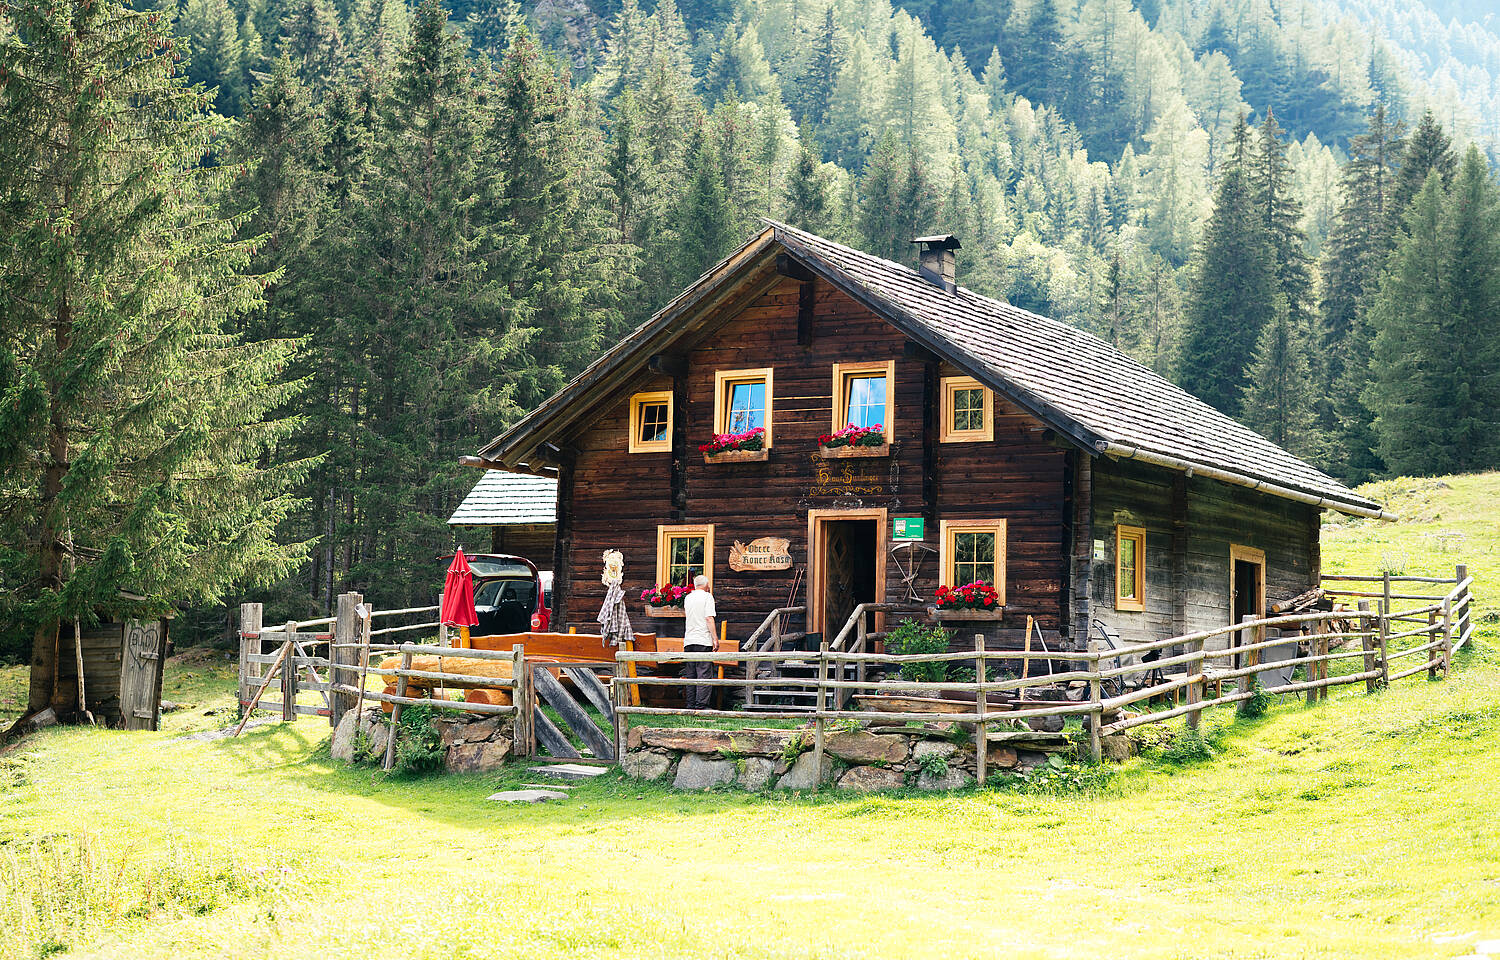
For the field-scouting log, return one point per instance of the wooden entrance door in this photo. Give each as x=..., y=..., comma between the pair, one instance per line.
x=846, y=565
x=1247, y=587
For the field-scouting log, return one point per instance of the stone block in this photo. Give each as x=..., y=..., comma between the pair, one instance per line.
x=952, y=779
x=934, y=748
x=871, y=779
x=755, y=773
x=737, y=742
x=1001, y=757
x=343, y=737
x=633, y=738
x=1117, y=747
x=482, y=757
x=646, y=764
x=863, y=747
x=804, y=776
x=696, y=773
x=528, y=796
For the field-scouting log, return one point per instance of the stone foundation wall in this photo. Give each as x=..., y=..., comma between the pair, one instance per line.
x=865, y=760
x=469, y=745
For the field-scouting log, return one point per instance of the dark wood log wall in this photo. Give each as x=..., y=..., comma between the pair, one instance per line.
x=618, y=498
x=1190, y=525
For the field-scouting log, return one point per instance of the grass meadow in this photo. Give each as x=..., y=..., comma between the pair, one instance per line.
x=1364, y=826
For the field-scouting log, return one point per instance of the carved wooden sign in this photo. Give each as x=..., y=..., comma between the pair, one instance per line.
x=765, y=553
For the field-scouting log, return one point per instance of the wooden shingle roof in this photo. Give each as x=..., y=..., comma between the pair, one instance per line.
x=1076, y=383
x=504, y=499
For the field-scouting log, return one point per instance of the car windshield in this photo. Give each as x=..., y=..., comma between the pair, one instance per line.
x=494, y=593
x=494, y=567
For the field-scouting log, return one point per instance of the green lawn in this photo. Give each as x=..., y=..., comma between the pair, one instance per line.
x=1368, y=826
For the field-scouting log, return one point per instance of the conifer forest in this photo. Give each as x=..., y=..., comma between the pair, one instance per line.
x=269, y=267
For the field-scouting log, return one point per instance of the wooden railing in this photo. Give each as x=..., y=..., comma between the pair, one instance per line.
x=1389, y=650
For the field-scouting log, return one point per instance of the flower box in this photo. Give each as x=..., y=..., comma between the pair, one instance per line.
x=737, y=456
x=942, y=613
x=839, y=453
x=663, y=611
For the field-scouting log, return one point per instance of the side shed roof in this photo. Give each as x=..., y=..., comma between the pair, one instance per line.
x=503, y=499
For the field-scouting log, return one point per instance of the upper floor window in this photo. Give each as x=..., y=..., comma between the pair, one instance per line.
x=864, y=395
x=968, y=411
x=743, y=401
x=651, y=422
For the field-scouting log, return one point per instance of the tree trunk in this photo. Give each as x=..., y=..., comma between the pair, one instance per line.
x=44, y=690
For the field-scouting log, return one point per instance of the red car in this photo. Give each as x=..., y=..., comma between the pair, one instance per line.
x=510, y=595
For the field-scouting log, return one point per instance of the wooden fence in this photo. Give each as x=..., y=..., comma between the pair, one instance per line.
x=1114, y=690
x=337, y=664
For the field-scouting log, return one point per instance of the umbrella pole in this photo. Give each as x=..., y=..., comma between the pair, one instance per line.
x=463, y=636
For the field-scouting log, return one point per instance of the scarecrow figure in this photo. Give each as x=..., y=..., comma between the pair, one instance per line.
x=614, y=620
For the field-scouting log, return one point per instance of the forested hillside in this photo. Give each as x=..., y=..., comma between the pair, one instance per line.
x=453, y=210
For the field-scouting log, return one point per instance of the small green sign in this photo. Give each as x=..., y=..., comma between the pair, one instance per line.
x=907, y=528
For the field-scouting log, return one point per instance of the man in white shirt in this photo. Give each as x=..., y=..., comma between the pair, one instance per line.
x=698, y=637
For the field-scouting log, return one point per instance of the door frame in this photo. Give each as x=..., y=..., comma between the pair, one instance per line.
x=816, y=573
x=1241, y=554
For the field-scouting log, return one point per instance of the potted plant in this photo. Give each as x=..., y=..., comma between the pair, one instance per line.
x=972, y=601
x=855, y=441
x=664, y=600
x=724, y=447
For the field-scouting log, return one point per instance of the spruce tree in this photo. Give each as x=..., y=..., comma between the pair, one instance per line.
x=1234, y=296
x=1434, y=386
x=808, y=204
x=704, y=214
x=816, y=85
x=134, y=430
x=1280, y=400
x=311, y=38
x=1281, y=215
x=1363, y=234
x=1428, y=148
x=880, y=219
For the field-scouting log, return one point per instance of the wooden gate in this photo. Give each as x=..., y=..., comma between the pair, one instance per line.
x=580, y=701
x=273, y=681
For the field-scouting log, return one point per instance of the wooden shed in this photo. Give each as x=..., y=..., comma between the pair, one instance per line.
x=122, y=670
x=517, y=510
x=1091, y=493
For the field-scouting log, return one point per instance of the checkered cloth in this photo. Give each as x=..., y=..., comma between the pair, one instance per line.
x=614, y=621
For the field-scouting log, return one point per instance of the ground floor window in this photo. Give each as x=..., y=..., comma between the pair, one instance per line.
x=1130, y=568
x=684, y=552
x=973, y=551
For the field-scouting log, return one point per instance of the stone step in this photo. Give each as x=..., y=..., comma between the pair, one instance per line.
x=568, y=771
x=528, y=796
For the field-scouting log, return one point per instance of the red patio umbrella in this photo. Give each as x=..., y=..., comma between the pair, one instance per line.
x=458, y=597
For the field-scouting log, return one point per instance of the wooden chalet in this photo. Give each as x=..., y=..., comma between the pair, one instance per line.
x=1021, y=451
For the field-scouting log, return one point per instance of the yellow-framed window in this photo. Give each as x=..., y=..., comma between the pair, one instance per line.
x=973, y=551
x=744, y=400
x=683, y=552
x=1130, y=568
x=968, y=411
x=651, y=422
x=864, y=395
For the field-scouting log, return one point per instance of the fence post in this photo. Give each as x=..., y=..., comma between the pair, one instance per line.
x=861, y=641
x=1252, y=658
x=343, y=652
x=1367, y=644
x=1195, y=689
x=1432, y=635
x=981, y=707
x=821, y=706
x=250, y=614
x=520, y=733
x=390, y=741
x=1385, y=632
x=1460, y=626
x=1096, y=697
x=1447, y=647
x=620, y=697
x=289, y=675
